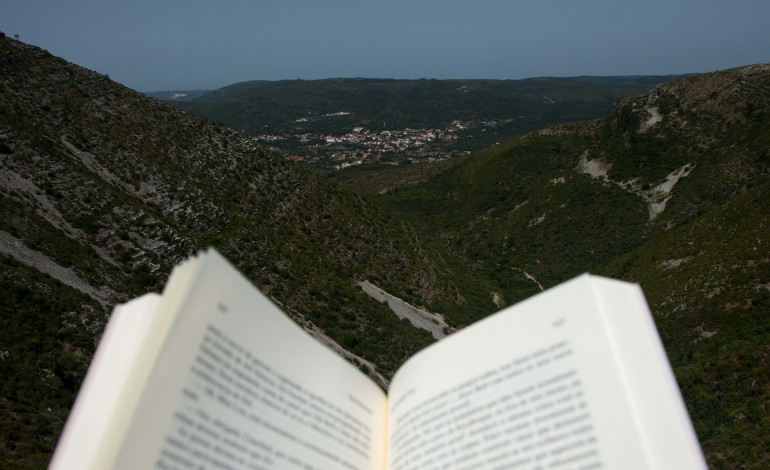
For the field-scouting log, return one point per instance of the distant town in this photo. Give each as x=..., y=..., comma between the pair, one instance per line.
x=362, y=145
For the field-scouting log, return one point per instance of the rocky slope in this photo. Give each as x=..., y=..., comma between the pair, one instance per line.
x=103, y=190
x=671, y=191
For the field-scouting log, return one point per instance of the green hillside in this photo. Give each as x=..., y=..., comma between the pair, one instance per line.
x=103, y=190
x=515, y=106
x=671, y=191
x=707, y=282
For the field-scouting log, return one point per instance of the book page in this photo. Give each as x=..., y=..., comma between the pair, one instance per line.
x=118, y=374
x=539, y=385
x=102, y=393
x=240, y=385
x=669, y=437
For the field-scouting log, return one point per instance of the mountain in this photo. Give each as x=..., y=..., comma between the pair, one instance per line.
x=103, y=190
x=671, y=190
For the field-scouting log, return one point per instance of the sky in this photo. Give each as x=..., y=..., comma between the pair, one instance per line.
x=154, y=45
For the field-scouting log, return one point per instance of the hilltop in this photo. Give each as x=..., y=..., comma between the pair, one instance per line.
x=356, y=120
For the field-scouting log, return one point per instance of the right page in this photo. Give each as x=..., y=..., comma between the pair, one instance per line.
x=575, y=377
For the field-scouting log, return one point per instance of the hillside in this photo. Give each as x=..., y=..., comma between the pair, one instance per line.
x=672, y=191
x=489, y=110
x=103, y=190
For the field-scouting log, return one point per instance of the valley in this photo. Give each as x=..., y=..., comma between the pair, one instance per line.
x=663, y=182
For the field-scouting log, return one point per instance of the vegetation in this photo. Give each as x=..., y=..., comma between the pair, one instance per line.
x=45, y=347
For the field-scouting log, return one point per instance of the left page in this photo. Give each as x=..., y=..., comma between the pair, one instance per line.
x=237, y=384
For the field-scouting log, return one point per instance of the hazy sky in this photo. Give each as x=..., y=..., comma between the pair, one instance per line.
x=204, y=44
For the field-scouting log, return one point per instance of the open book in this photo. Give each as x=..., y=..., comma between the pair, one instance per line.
x=213, y=375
